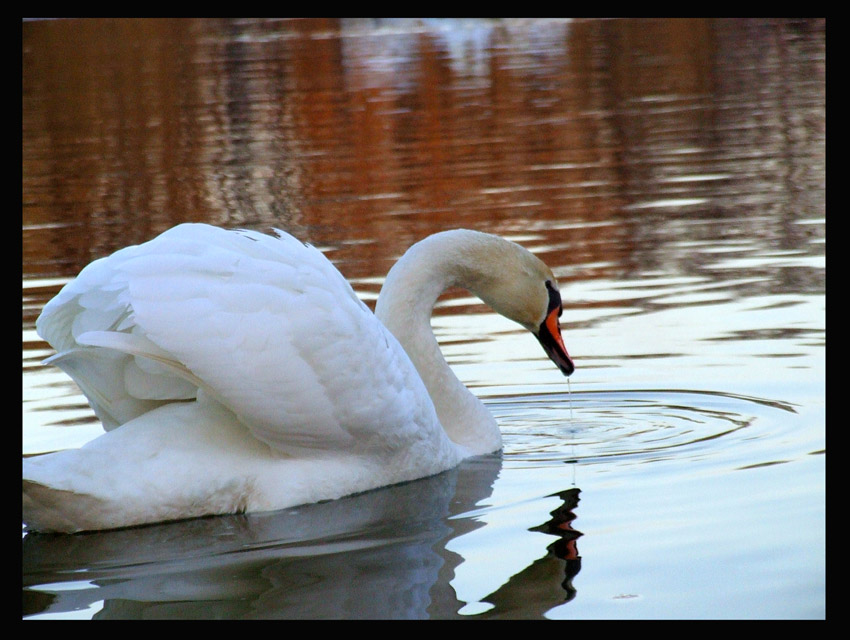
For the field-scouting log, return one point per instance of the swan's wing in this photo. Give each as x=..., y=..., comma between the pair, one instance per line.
x=90, y=323
x=265, y=325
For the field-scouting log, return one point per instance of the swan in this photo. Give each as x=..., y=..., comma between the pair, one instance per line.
x=235, y=371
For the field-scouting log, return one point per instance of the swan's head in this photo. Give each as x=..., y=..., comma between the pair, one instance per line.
x=506, y=276
x=517, y=284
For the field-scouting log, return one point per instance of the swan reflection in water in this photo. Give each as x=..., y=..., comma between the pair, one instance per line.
x=377, y=555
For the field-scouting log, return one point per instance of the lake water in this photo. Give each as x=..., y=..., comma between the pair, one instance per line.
x=672, y=174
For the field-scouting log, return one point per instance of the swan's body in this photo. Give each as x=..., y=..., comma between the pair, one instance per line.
x=235, y=371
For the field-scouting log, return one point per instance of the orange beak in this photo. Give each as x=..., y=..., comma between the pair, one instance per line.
x=553, y=344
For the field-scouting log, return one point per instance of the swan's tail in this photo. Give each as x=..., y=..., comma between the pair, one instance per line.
x=50, y=510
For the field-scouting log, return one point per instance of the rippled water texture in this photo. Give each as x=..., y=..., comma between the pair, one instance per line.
x=672, y=174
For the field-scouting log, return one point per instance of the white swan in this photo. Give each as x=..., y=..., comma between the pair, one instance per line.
x=235, y=371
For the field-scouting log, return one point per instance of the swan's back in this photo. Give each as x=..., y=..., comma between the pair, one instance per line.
x=265, y=325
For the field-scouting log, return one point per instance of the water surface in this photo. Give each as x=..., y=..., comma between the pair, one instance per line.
x=671, y=172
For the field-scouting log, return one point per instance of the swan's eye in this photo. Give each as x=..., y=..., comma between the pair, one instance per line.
x=554, y=299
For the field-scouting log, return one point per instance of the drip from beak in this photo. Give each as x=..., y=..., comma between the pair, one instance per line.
x=550, y=339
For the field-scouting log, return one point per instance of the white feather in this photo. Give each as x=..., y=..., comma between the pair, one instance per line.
x=239, y=371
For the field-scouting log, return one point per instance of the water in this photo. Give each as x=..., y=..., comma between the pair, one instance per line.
x=672, y=173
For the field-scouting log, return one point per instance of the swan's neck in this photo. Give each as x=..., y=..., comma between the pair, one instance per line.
x=405, y=305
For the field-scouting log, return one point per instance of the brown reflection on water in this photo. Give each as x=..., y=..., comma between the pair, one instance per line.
x=595, y=142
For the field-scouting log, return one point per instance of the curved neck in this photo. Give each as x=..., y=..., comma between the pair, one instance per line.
x=405, y=305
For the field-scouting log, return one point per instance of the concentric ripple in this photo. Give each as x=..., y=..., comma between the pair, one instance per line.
x=641, y=425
